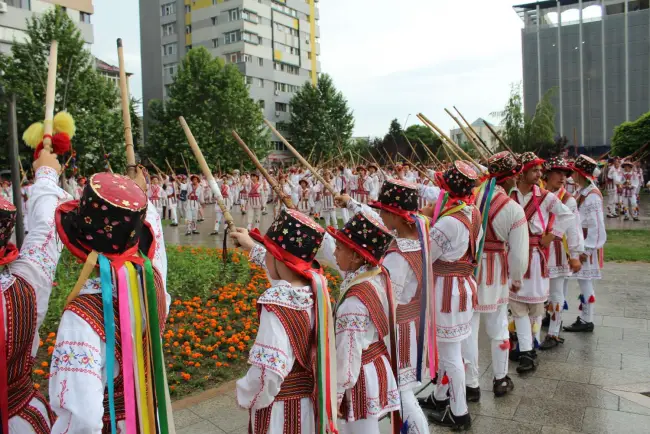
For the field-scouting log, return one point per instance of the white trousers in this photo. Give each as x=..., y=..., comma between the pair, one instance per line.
x=330, y=218
x=497, y=329
x=254, y=217
x=345, y=215
x=413, y=414
x=629, y=206
x=174, y=217
x=451, y=364
x=556, y=300
x=612, y=201
x=587, y=290
x=363, y=426
x=527, y=329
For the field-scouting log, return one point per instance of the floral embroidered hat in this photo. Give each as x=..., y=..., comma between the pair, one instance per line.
x=558, y=163
x=459, y=180
x=109, y=218
x=503, y=166
x=294, y=239
x=8, y=252
x=529, y=160
x=366, y=236
x=586, y=166
x=398, y=197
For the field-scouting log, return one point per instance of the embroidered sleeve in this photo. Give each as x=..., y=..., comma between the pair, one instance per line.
x=271, y=360
x=440, y=240
x=257, y=255
x=521, y=222
x=593, y=220
x=354, y=332
x=77, y=365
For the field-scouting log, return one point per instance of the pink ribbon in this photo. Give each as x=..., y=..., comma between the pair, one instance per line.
x=127, y=350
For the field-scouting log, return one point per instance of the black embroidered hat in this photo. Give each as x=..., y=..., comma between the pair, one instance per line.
x=586, y=166
x=459, y=180
x=503, y=166
x=529, y=160
x=398, y=197
x=8, y=252
x=109, y=218
x=627, y=163
x=557, y=163
x=366, y=236
x=294, y=239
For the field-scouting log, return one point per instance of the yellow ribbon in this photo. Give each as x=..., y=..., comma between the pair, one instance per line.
x=363, y=276
x=87, y=269
x=454, y=209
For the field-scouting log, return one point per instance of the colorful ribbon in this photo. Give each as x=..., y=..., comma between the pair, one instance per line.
x=485, y=212
x=4, y=387
x=127, y=349
x=106, y=280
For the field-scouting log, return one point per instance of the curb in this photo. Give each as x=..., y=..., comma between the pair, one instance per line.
x=225, y=389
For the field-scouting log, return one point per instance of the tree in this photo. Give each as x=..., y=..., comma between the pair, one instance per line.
x=524, y=133
x=91, y=99
x=320, y=120
x=214, y=100
x=630, y=136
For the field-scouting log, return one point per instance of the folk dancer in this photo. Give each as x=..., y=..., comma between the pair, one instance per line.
x=225, y=194
x=286, y=190
x=590, y=206
x=155, y=194
x=303, y=196
x=194, y=203
x=183, y=187
x=342, y=188
x=375, y=186
x=639, y=176
x=328, y=206
x=503, y=264
x=172, y=201
x=87, y=368
x=243, y=194
x=630, y=185
x=362, y=185
x=527, y=302
x=26, y=284
x=7, y=191
x=364, y=316
x=562, y=263
x=612, y=181
x=254, y=194
x=278, y=389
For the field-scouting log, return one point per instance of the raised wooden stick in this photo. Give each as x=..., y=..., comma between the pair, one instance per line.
x=108, y=163
x=301, y=159
x=126, y=115
x=443, y=138
x=389, y=159
x=185, y=164
x=271, y=180
x=480, y=140
x=498, y=137
x=470, y=138
x=430, y=152
x=157, y=169
x=422, y=172
x=170, y=167
x=208, y=174
x=50, y=93
x=412, y=147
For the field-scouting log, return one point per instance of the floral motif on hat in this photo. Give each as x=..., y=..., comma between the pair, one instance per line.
x=529, y=160
x=397, y=196
x=585, y=166
x=297, y=234
x=365, y=235
x=460, y=179
x=557, y=163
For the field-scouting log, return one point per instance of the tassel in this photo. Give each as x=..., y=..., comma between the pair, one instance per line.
x=535, y=327
x=511, y=327
x=566, y=306
x=553, y=316
x=445, y=380
x=592, y=299
x=505, y=345
x=580, y=307
x=536, y=342
x=405, y=427
x=557, y=307
x=581, y=298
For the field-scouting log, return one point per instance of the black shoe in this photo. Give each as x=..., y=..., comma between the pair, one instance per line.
x=195, y=232
x=447, y=419
x=214, y=233
x=502, y=387
x=547, y=320
x=550, y=342
x=188, y=234
x=626, y=219
x=200, y=220
x=430, y=403
x=174, y=224
x=636, y=219
x=526, y=362
x=580, y=326
x=473, y=394
x=514, y=354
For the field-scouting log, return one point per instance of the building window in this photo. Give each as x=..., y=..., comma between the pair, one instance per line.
x=281, y=107
x=235, y=57
x=188, y=30
x=166, y=92
x=215, y=42
x=309, y=55
x=171, y=69
x=188, y=48
x=284, y=9
x=232, y=37
x=170, y=49
x=250, y=37
x=84, y=17
x=188, y=9
x=286, y=68
x=168, y=9
x=169, y=29
x=248, y=80
x=260, y=61
x=279, y=146
x=262, y=104
x=259, y=82
x=250, y=16
x=233, y=15
x=214, y=21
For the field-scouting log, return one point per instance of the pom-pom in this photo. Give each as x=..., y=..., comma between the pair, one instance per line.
x=505, y=345
x=60, y=143
x=592, y=299
x=511, y=327
x=566, y=306
x=405, y=427
x=445, y=380
x=557, y=307
x=580, y=307
x=553, y=316
x=535, y=327
x=34, y=135
x=63, y=123
x=581, y=298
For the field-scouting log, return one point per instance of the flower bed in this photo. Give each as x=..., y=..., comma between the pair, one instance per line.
x=212, y=320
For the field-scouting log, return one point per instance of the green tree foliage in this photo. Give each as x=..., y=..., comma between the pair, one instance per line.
x=321, y=122
x=524, y=133
x=630, y=136
x=91, y=99
x=214, y=100
x=396, y=143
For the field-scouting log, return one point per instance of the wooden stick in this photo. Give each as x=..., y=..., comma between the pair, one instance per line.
x=422, y=172
x=108, y=163
x=170, y=167
x=412, y=148
x=389, y=159
x=302, y=160
x=604, y=155
x=126, y=115
x=157, y=169
x=208, y=174
x=485, y=146
x=185, y=164
x=498, y=137
x=430, y=152
x=470, y=138
x=50, y=93
x=271, y=180
x=444, y=141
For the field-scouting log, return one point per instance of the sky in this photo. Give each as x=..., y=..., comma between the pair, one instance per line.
x=391, y=59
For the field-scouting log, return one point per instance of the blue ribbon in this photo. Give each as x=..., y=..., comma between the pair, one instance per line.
x=106, y=279
x=421, y=227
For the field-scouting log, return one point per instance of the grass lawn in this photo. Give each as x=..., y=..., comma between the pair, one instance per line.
x=632, y=246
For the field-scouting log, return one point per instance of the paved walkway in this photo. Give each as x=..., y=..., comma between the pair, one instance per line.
x=591, y=384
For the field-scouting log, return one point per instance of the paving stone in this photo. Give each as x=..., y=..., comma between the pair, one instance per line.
x=550, y=413
x=203, y=427
x=632, y=407
x=563, y=371
x=585, y=394
x=503, y=407
x=597, y=421
x=555, y=430
x=639, y=348
x=635, y=312
x=625, y=323
x=490, y=425
x=615, y=377
x=186, y=417
x=636, y=335
x=223, y=411
x=525, y=386
x=636, y=363
x=608, y=333
x=593, y=358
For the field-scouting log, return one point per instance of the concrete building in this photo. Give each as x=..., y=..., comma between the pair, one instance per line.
x=274, y=43
x=597, y=55
x=484, y=133
x=14, y=15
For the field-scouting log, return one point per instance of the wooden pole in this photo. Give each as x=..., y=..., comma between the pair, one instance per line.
x=126, y=115
x=443, y=137
x=301, y=159
x=50, y=94
x=422, y=172
x=503, y=143
x=108, y=163
x=170, y=167
x=470, y=138
x=412, y=148
x=156, y=167
x=272, y=181
x=485, y=146
x=185, y=164
x=430, y=152
x=208, y=174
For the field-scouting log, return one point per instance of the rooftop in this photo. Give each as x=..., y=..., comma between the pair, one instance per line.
x=107, y=68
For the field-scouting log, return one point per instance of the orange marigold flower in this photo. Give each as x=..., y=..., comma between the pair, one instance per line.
x=231, y=349
x=37, y=386
x=44, y=364
x=50, y=350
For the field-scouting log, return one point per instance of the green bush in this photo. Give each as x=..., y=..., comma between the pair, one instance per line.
x=630, y=136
